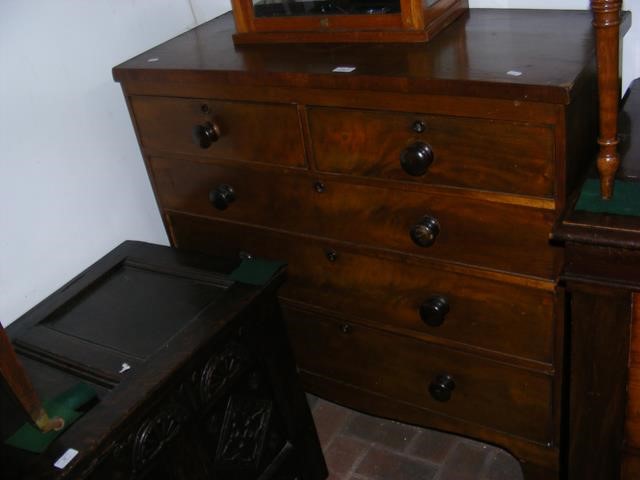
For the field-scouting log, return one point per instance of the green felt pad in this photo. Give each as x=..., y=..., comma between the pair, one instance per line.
x=625, y=200
x=76, y=397
x=256, y=271
x=33, y=440
x=64, y=405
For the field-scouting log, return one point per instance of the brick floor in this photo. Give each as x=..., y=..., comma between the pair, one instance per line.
x=362, y=447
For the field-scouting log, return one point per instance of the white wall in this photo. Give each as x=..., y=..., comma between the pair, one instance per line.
x=72, y=182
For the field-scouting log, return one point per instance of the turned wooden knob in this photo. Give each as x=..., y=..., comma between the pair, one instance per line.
x=222, y=196
x=331, y=254
x=205, y=134
x=416, y=158
x=441, y=387
x=425, y=232
x=434, y=310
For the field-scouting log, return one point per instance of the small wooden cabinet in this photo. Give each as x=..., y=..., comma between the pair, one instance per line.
x=192, y=369
x=602, y=278
x=411, y=188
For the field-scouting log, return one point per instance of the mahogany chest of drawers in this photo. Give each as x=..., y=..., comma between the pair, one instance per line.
x=192, y=370
x=411, y=189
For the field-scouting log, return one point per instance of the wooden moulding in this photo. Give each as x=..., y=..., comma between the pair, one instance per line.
x=416, y=22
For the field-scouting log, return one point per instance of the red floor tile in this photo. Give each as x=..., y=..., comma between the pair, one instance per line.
x=466, y=462
x=381, y=464
x=432, y=445
x=393, y=435
x=344, y=454
x=330, y=419
x=362, y=447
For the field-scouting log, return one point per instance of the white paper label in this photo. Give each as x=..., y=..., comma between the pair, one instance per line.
x=124, y=368
x=64, y=460
x=344, y=69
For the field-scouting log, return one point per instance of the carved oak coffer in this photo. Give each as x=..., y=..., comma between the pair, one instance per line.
x=193, y=373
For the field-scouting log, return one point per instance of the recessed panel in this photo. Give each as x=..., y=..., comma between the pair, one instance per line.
x=134, y=310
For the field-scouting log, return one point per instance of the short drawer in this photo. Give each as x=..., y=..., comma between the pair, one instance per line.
x=244, y=130
x=427, y=300
x=506, y=237
x=464, y=152
x=446, y=382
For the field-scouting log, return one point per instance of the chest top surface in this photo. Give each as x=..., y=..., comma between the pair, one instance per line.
x=537, y=55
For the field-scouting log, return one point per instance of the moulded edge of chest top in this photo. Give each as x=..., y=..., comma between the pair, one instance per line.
x=522, y=110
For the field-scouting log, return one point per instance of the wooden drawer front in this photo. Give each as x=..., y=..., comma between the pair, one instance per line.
x=505, y=237
x=486, y=393
x=484, y=313
x=247, y=130
x=476, y=153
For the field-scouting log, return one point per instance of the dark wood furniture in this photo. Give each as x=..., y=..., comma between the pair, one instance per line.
x=607, y=20
x=211, y=389
x=413, y=198
x=602, y=277
x=343, y=20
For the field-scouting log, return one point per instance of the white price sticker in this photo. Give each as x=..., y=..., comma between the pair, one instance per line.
x=344, y=69
x=64, y=460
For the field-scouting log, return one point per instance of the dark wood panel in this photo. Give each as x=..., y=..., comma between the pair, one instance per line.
x=603, y=264
x=486, y=393
x=600, y=321
x=498, y=236
x=245, y=129
x=632, y=419
x=518, y=159
x=630, y=467
x=483, y=312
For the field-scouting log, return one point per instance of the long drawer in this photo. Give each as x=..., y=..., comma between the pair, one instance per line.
x=504, y=237
x=479, y=312
x=221, y=129
x=444, y=381
x=464, y=152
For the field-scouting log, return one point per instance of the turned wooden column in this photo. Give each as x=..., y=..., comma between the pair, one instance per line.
x=606, y=20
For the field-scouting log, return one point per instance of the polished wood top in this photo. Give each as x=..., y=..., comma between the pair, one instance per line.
x=535, y=55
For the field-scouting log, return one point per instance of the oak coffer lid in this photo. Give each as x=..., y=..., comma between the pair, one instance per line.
x=133, y=309
x=536, y=55
x=122, y=311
